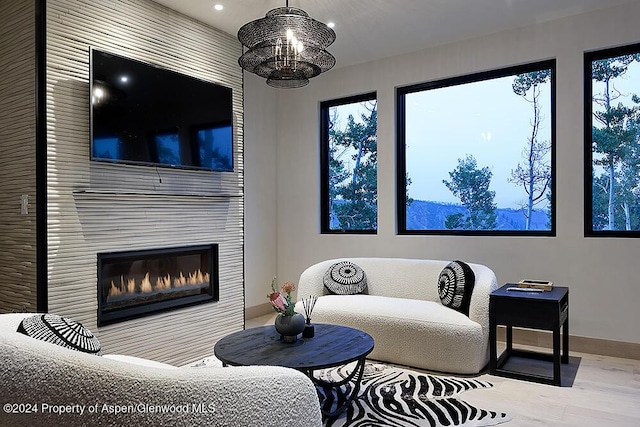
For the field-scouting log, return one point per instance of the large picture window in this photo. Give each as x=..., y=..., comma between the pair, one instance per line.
x=476, y=153
x=612, y=142
x=349, y=187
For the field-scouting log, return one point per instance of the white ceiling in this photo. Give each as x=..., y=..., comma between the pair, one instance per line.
x=373, y=29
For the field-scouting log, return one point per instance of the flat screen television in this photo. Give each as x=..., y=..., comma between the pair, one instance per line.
x=146, y=115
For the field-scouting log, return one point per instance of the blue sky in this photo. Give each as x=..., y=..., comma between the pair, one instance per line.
x=485, y=119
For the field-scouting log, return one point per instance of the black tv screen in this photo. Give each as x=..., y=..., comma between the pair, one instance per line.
x=142, y=114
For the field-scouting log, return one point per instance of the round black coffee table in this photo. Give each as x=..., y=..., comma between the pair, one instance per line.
x=332, y=346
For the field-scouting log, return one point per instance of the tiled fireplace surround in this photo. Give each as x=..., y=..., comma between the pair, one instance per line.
x=106, y=208
x=176, y=336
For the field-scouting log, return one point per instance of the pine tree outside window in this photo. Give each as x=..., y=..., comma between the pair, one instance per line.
x=476, y=153
x=349, y=168
x=612, y=142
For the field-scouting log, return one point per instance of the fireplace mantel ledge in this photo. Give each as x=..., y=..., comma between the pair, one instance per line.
x=155, y=194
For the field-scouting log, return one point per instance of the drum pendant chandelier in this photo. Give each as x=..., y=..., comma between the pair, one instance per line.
x=287, y=47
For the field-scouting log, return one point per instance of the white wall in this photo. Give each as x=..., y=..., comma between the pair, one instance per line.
x=260, y=189
x=601, y=273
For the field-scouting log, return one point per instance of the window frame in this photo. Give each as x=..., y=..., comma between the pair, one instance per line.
x=589, y=58
x=325, y=217
x=401, y=194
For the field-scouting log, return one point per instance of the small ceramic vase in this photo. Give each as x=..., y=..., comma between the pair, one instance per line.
x=290, y=326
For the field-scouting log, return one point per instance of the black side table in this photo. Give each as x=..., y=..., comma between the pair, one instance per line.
x=547, y=310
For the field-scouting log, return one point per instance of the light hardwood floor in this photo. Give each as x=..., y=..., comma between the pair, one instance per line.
x=597, y=391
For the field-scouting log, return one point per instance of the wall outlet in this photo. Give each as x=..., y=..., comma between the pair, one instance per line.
x=24, y=204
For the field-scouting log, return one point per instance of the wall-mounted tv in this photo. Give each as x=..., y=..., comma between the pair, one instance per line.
x=146, y=115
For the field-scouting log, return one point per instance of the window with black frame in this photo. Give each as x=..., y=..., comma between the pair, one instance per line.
x=349, y=165
x=612, y=142
x=476, y=153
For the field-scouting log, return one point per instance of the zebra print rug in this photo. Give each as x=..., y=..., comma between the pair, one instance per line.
x=394, y=397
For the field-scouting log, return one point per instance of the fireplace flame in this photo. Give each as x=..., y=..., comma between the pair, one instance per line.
x=198, y=277
x=115, y=291
x=131, y=285
x=164, y=282
x=180, y=280
x=145, y=286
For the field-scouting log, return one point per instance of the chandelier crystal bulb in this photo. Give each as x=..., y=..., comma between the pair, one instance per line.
x=287, y=47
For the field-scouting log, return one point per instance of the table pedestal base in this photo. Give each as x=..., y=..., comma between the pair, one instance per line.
x=344, y=398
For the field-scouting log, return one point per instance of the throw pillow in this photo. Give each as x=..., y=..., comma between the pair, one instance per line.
x=455, y=286
x=345, y=278
x=60, y=331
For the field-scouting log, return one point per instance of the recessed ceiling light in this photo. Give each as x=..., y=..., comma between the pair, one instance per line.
x=331, y=24
x=218, y=7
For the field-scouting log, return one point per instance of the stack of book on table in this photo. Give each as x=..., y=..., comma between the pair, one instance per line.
x=543, y=285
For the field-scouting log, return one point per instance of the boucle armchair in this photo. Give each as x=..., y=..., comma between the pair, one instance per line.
x=402, y=310
x=112, y=392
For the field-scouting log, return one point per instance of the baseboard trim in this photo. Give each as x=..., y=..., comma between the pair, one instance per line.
x=544, y=339
x=258, y=310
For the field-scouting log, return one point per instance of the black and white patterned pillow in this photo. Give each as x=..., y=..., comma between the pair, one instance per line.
x=455, y=286
x=345, y=278
x=60, y=331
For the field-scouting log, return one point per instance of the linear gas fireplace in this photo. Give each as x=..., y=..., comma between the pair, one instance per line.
x=138, y=283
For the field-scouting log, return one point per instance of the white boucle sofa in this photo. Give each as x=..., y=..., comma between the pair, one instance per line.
x=402, y=311
x=34, y=372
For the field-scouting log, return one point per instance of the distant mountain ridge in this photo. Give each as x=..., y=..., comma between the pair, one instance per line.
x=425, y=215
